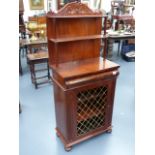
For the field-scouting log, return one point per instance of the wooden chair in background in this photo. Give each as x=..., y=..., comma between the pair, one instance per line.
x=36, y=57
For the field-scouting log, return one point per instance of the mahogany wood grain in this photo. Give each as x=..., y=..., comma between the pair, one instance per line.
x=74, y=38
x=66, y=28
x=84, y=67
x=73, y=50
x=68, y=116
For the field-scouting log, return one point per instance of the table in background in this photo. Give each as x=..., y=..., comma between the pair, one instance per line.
x=26, y=43
x=28, y=46
x=121, y=37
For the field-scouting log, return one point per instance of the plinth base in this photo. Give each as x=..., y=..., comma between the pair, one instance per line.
x=68, y=145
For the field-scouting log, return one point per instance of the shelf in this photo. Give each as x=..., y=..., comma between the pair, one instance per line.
x=90, y=124
x=90, y=114
x=59, y=40
x=90, y=97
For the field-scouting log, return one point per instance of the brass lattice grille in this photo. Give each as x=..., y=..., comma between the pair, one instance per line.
x=91, y=109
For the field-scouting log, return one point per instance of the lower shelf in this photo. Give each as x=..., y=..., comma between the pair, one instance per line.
x=92, y=123
x=94, y=112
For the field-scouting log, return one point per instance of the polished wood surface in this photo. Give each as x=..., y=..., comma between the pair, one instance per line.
x=78, y=27
x=74, y=50
x=84, y=67
x=74, y=40
x=66, y=107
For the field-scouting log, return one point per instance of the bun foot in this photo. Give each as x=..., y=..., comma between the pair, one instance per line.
x=109, y=131
x=68, y=148
x=57, y=134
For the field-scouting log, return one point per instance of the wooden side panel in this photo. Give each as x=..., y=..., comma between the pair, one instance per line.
x=64, y=105
x=60, y=110
x=52, y=52
x=111, y=101
x=51, y=30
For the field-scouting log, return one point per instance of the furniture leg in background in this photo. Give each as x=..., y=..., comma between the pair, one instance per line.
x=20, y=66
x=110, y=48
x=20, y=109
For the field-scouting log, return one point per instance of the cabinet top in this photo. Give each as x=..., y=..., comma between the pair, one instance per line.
x=75, y=10
x=84, y=67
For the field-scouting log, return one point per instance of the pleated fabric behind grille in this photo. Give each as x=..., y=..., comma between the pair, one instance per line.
x=91, y=109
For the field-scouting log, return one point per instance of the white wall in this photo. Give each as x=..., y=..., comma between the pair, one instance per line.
x=29, y=12
x=105, y=4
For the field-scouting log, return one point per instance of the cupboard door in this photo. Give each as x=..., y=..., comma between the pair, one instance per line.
x=91, y=108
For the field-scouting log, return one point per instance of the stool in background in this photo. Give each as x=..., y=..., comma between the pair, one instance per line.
x=38, y=58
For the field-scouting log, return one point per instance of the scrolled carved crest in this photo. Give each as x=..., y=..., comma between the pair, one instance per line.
x=76, y=8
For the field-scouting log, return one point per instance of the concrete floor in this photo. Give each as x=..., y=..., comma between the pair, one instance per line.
x=37, y=120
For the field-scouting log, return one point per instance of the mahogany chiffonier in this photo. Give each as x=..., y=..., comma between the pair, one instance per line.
x=84, y=83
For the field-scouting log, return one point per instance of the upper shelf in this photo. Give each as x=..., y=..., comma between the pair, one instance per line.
x=74, y=33
x=59, y=40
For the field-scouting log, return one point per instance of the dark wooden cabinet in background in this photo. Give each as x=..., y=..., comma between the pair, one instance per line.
x=84, y=83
